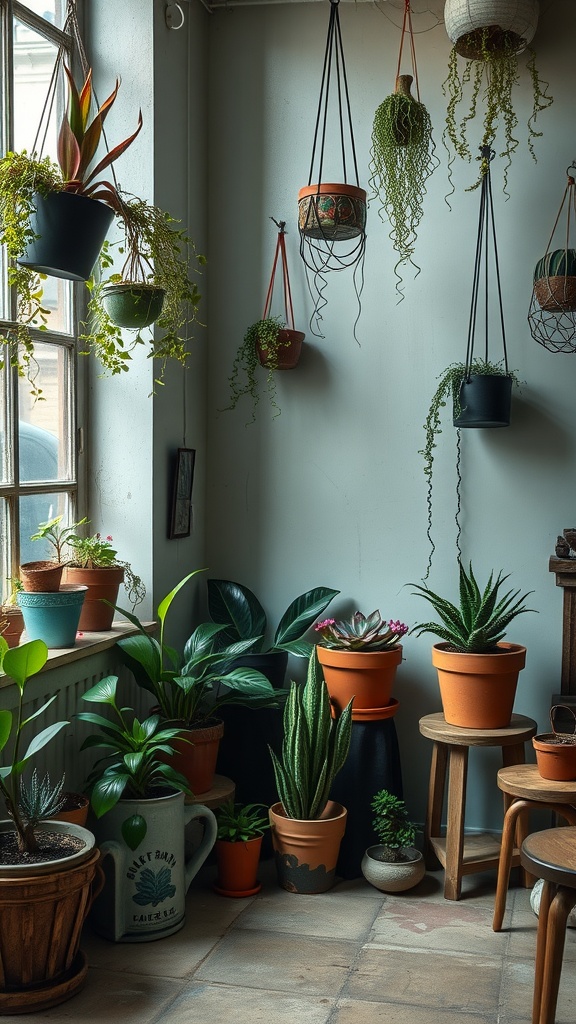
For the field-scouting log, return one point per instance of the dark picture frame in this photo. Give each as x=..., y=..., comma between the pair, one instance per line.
x=181, y=511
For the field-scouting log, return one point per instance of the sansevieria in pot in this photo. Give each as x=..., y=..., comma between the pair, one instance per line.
x=307, y=827
x=477, y=671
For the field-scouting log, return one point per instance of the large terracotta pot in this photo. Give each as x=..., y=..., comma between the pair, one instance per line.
x=42, y=910
x=103, y=585
x=367, y=676
x=195, y=757
x=306, y=852
x=238, y=867
x=478, y=690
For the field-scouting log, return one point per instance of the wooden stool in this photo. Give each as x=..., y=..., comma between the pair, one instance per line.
x=551, y=855
x=450, y=752
x=223, y=789
x=525, y=785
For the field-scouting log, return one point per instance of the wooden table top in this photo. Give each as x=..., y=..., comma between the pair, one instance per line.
x=524, y=780
x=435, y=727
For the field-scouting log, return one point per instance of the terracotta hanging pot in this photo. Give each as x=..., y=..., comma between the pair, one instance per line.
x=478, y=690
x=103, y=585
x=366, y=676
x=287, y=353
x=485, y=401
x=238, y=867
x=476, y=26
x=336, y=212
x=70, y=231
x=306, y=852
x=556, y=751
x=196, y=760
x=42, y=577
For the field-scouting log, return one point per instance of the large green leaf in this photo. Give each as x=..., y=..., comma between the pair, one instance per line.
x=5, y=727
x=301, y=613
x=236, y=607
x=24, y=661
x=104, y=692
x=40, y=741
x=108, y=790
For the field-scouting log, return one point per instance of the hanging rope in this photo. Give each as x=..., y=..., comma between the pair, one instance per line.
x=407, y=30
x=287, y=293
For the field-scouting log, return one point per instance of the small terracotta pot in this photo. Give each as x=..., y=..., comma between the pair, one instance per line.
x=41, y=577
x=478, y=690
x=75, y=810
x=103, y=585
x=238, y=867
x=367, y=676
x=12, y=620
x=288, y=352
x=336, y=212
x=306, y=852
x=196, y=760
x=556, y=751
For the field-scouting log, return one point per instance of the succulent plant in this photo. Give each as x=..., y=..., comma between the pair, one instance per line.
x=480, y=623
x=361, y=633
x=40, y=799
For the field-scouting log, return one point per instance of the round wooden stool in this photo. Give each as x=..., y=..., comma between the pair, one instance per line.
x=450, y=756
x=524, y=787
x=551, y=855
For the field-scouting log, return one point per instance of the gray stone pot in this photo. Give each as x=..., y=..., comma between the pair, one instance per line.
x=393, y=876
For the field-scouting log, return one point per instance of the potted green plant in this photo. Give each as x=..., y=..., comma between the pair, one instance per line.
x=394, y=865
x=48, y=869
x=51, y=609
x=307, y=826
x=555, y=281
x=359, y=657
x=45, y=575
x=138, y=800
x=490, y=38
x=477, y=670
x=94, y=564
x=11, y=618
x=189, y=689
x=241, y=829
x=268, y=343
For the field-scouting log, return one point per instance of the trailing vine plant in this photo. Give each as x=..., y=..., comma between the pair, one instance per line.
x=491, y=72
x=243, y=379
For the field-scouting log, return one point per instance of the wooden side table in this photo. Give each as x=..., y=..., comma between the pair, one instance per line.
x=451, y=745
x=223, y=789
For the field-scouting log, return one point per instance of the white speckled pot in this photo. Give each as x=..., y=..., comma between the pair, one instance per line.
x=464, y=16
x=393, y=876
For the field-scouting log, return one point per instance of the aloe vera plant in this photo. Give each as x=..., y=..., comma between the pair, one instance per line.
x=480, y=623
x=314, y=748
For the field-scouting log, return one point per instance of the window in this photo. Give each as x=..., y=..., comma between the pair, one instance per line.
x=38, y=458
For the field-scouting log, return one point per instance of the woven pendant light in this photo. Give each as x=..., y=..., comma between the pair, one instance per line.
x=514, y=21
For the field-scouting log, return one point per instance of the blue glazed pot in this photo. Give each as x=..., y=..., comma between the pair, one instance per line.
x=54, y=617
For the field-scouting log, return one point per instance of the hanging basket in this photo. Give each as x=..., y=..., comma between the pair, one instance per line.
x=287, y=352
x=287, y=348
x=484, y=401
x=477, y=26
x=334, y=212
x=133, y=305
x=552, y=313
x=71, y=230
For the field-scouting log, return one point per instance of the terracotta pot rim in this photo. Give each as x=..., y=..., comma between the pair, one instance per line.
x=551, y=741
x=507, y=650
x=278, y=811
x=329, y=188
x=343, y=655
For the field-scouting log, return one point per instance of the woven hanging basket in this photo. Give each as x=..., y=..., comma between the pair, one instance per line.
x=512, y=23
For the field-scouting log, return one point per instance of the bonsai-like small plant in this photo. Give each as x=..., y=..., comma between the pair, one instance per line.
x=244, y=380
x=314, y=748
x=480, y=621
x=402, y=159
x=360, y=633
x=96, y=553
x=392, y=827
x=238, y=823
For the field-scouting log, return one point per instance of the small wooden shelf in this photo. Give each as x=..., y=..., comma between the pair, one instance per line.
x=222, y=791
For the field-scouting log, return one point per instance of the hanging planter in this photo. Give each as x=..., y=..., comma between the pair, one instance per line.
x=552, y=313
x=331, y=212
x=402, y=158
x=134, y=306
x=70, y=230
x=483, y=400
x=489, y=35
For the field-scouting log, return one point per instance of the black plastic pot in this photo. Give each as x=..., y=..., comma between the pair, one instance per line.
x=133, y=305
x=71, y=230
x=485, y=401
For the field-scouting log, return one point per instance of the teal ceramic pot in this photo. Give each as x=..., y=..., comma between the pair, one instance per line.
x=53, y=617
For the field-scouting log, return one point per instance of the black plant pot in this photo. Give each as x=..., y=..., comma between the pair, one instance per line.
x=485, y=401
x=133, y=305
x=71, y=231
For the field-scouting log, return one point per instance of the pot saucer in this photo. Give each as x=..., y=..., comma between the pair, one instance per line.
x=237, y=895
x=374, y=714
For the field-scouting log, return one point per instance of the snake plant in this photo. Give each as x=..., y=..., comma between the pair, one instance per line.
x=314, y=748
x=478, y=625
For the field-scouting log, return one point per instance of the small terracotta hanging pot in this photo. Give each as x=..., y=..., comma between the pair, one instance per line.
x=287, y=353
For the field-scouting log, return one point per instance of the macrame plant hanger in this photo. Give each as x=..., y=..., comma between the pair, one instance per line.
x=332, y=214
x=290, y=340
x=552, y=313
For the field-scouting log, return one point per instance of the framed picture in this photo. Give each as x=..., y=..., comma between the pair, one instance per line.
x=181, y=513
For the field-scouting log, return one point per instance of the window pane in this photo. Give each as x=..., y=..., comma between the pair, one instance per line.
x=44, y=425
x=53, y=11
x=5, y=432
x=4, y=549
x=35, y=509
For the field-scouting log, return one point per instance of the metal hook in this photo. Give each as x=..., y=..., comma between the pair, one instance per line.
x=571, y=167
x=169, y=15
x=280, y=224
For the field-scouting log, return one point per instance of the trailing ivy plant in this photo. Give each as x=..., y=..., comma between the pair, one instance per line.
x=243, y=379
x=402, y=159
x=448, y=391
x=491, y=74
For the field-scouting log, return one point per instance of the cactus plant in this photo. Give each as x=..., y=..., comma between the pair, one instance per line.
x=314, y=748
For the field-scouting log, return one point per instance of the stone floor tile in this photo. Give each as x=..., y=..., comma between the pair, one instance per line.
x=448, y=925
x=357, y=1011
x=212, y=1004
x=335, y=915
x=464, y=982
x=107, y=997
x=524, y=926
x=271, y=960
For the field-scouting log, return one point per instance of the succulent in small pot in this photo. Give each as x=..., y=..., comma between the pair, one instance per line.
x=394, y=865
x=555, y=281
x=360, y=633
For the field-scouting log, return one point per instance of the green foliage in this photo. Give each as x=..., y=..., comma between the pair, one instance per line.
x=314, y=748
x=480, y=623
x=242, y=618
x=492, y=76
x=238, y=823
x=40, y=799
x=360, y=633
x=58, y=536
x=20, y=664
x=95, y=553
x=243, y=380
x=393, y=829
x=402, y=159
x=558, y=263
x=189, y=689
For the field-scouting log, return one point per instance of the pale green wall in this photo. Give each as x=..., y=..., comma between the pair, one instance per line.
x=332, y=491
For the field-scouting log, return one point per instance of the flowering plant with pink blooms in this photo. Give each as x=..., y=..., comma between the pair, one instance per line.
x=97, y=552
x=360, y=633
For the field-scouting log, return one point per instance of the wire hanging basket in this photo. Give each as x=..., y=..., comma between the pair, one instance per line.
x=552, y=313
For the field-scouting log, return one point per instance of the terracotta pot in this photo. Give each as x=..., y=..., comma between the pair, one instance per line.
x=238, y=867
x=103, y=585
x=367, y=676
x=196, y=760
x=288, y=352
x=393, y=876
x=478, y=690
x=75, y=809
x=306, y=852
x=42, y=911
x=11, y=625
x=41, y=577
x=336, y=212
x=556, y=751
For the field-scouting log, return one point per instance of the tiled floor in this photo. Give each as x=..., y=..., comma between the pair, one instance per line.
x=349, y=956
